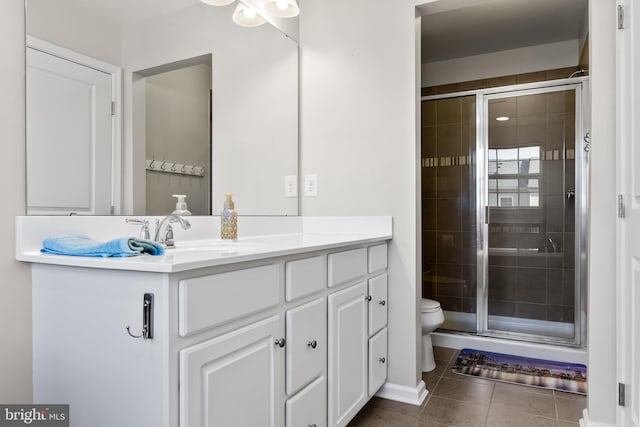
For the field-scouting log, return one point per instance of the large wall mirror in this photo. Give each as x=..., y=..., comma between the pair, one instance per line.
x=130, y=102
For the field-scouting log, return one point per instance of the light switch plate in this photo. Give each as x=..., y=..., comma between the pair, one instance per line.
x=311, y=185
x=291, y=186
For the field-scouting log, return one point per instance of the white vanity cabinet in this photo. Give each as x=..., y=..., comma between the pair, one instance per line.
x=287, y=341
x=357, y=317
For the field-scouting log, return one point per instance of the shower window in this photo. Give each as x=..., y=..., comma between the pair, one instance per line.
x=514, y=177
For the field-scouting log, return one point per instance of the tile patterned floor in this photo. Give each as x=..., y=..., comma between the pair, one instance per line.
x=460, y=400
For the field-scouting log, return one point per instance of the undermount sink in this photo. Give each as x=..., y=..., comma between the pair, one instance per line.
x=215, y=246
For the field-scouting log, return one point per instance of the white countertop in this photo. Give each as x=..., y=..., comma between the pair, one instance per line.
x=317, y=235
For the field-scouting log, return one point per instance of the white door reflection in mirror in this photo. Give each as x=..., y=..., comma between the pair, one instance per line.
x=69, y=137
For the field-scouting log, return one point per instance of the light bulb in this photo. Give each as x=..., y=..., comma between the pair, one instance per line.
x=282, y=8
x=247, y=17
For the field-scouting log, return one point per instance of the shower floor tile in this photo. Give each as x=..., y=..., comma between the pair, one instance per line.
x=464, y=401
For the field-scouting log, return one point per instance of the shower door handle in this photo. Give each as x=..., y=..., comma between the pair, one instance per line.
x=486, y=215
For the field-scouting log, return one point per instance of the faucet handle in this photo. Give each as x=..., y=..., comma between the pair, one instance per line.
x=144, y=227
x=168, y=237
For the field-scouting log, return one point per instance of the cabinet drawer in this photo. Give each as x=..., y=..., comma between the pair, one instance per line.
x=377, y=258
x=377, y=303
x=377, y=361
x=309, y=407
x=306, y=332
x=208, y=301
x=304, y=277
x=347, y=266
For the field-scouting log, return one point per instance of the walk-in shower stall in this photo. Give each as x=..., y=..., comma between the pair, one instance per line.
x=504, y=197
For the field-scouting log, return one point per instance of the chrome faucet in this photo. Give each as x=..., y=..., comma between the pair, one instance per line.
x=553, y=244
x=164, y=231
x=144, y=227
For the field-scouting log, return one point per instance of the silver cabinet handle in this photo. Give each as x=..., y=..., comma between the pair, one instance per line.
x=382, y=302
x=367, y=297
x=312, y=344
x=311, y=425
x=280, y=342
x=382, y=360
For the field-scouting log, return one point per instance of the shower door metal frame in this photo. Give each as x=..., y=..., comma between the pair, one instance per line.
x=482, y=207
x=579, y=84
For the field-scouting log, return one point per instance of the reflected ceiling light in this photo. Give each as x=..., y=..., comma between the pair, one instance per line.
x=502, y=118
x=247, y=17
x=283, y=8
x=217, y=2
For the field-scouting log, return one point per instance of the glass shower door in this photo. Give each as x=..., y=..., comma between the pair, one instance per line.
x=449, y=226
x=530, y=214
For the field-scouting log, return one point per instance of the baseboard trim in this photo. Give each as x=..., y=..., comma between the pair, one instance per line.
x=400, y=393
x=586, y=422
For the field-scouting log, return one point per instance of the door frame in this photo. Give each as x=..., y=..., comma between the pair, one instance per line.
x=116, y=117
x=582, y=123
x=627, y=328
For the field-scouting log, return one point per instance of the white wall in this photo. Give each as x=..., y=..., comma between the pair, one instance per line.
x=15, y=282
x=503, y=63
x=358, y=133
x=61, y=21
x=602, y=398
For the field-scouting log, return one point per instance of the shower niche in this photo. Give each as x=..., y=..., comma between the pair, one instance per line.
x=503, y=210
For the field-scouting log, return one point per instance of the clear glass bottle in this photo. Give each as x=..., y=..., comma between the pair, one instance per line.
x=229, y=220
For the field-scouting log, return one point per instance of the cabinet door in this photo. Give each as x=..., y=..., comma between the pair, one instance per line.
x=309, y=407
x=377, y=361
x=306, y=344
x=377, y=303
x=347, y=353
x=235, y=379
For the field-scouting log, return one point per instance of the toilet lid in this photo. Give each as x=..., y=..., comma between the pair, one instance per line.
x=429, y=305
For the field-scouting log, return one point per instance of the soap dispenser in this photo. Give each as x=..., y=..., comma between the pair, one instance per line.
x=181, y=205
x=229, y=220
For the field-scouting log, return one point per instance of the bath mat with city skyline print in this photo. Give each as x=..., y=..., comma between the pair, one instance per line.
x=562, y=376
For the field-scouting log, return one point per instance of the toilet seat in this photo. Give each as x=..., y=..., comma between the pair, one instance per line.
x=429, y=306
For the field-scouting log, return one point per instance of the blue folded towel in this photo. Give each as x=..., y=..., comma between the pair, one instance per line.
x=79, y=245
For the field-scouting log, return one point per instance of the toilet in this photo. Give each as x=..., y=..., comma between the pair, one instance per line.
x=432, y=317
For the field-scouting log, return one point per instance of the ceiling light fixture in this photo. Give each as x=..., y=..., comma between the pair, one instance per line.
x=502, y=118
x=217, y=2
x=247, y=17
x=282, y=8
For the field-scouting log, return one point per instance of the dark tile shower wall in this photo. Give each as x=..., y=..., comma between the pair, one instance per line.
x=448, y=203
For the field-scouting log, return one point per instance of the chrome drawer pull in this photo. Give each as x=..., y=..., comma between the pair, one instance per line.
x=382, y=360
x=367, y=297
x=382, y=302
x=280, y=342
x=312, y=344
